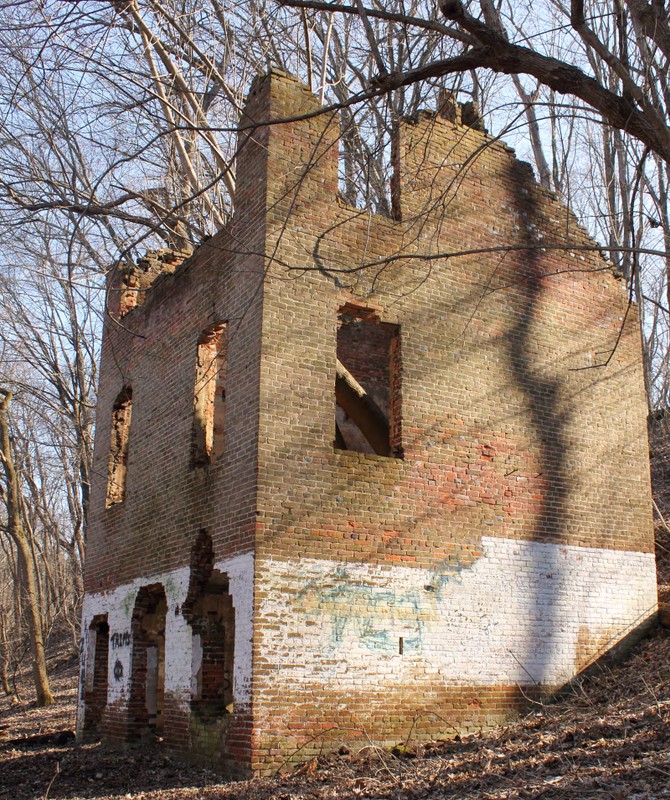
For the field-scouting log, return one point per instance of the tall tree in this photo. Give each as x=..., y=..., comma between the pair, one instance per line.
x=11, y=495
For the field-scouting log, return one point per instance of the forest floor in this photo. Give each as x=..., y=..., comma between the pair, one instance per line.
x=607, y=737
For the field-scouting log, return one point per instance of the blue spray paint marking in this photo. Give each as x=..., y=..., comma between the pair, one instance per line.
x=374, y=615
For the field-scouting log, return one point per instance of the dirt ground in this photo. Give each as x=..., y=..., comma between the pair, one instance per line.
x=609, y=737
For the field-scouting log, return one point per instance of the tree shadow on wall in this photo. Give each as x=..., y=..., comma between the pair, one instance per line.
x=548, y=424
x=564, y=633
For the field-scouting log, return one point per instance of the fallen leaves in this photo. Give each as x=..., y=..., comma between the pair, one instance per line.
x=607, y=739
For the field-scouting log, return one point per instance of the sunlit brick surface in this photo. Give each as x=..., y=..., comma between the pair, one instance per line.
x=503, y=546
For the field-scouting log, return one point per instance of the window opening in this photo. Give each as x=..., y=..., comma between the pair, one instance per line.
x=148, y=661
x=118, y=454
x=95, y=688
x=210, y=394
x=210, y=612
x=367, y=386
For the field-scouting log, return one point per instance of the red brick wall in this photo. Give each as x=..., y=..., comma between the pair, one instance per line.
x=495, y=349
x=154, y=350
x=510, y=429
x=168, y=501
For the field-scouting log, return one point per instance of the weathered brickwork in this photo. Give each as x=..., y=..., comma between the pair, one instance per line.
x=285, y=587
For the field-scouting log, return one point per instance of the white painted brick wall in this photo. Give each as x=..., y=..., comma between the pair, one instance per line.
x=514, y=617
x=119, y=603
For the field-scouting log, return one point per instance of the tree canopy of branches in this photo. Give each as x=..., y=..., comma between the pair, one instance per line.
x=118, y=122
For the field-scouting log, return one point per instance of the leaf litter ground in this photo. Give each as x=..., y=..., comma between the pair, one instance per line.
x=607, y=737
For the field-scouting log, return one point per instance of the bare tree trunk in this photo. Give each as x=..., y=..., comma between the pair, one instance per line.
x=4, y=657
x=27, y=572
x=534, y=133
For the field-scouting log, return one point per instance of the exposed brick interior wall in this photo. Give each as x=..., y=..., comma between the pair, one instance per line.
x=118, y=448
x=209, y=610
x=370, y=351
x=95, y=688
x=503, y=544
x=209, y=394
x=147, y=677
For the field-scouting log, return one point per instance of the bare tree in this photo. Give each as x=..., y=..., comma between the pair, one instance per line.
x=118, y=134
x=11, y=495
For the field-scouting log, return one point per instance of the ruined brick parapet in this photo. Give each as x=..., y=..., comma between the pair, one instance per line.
x=127, y=284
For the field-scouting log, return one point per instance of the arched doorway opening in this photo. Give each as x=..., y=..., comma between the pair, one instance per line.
x=148, y=662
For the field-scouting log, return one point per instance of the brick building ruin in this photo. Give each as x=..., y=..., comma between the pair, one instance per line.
x=360, y=478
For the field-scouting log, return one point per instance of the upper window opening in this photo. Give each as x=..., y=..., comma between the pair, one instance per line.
x=367, y=387
x=209, y=395
x=118, y=452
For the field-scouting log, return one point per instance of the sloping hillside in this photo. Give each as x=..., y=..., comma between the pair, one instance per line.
x=609, y=737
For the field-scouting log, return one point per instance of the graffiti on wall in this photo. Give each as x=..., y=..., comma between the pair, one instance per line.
x=120, y=640
x=374, y=613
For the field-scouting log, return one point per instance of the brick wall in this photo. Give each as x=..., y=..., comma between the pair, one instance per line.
x=506, y=548
x=169, y=497
x=505, y=543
